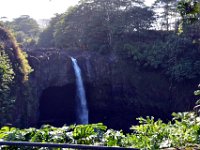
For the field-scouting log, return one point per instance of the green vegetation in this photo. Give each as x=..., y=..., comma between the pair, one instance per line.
x=97, y=25
x=189, y=10
x=18, y=60
x=177, y=56
x=183, y=132
x=14, y=71
x=6, y=80
x=25, y=29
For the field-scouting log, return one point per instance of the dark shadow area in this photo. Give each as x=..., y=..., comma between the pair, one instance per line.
x=116, y=111
x=57, y=105
x=111, y=107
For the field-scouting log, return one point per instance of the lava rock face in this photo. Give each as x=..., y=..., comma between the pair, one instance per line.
x=118, y=91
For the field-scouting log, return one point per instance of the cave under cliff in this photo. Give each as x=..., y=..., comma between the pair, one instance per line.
x=57, y=105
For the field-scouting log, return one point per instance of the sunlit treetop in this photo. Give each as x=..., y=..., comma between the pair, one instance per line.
x=189, y=10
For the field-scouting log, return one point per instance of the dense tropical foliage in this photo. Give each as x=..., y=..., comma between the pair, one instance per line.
x=6, y=80
x=25, y=29
x=14, y=71
x=94, y=24
x=183, y=132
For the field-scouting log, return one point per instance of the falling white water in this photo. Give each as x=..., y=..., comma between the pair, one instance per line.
x=82, y=110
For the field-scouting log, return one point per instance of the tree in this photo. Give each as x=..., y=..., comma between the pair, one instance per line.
x=190, y=13
x=97, y=24
x=167, y=13
x=138, y=19
x=26, y=30
x=27, y=25
x=46, y=38
x=189, y=10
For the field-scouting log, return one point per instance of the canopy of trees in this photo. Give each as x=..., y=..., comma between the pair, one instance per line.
x=26, y=30
x=95, y=24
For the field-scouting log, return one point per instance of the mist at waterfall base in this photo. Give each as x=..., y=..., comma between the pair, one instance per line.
x=81, y=107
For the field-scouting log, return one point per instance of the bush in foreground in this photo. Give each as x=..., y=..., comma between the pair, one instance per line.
x=183, y=132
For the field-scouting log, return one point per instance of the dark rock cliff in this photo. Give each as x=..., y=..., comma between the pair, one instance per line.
x=117, y=89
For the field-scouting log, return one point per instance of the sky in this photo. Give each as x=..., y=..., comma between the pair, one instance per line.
x=37, y=9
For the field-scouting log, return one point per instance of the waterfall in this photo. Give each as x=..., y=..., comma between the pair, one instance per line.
x=82, y=110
